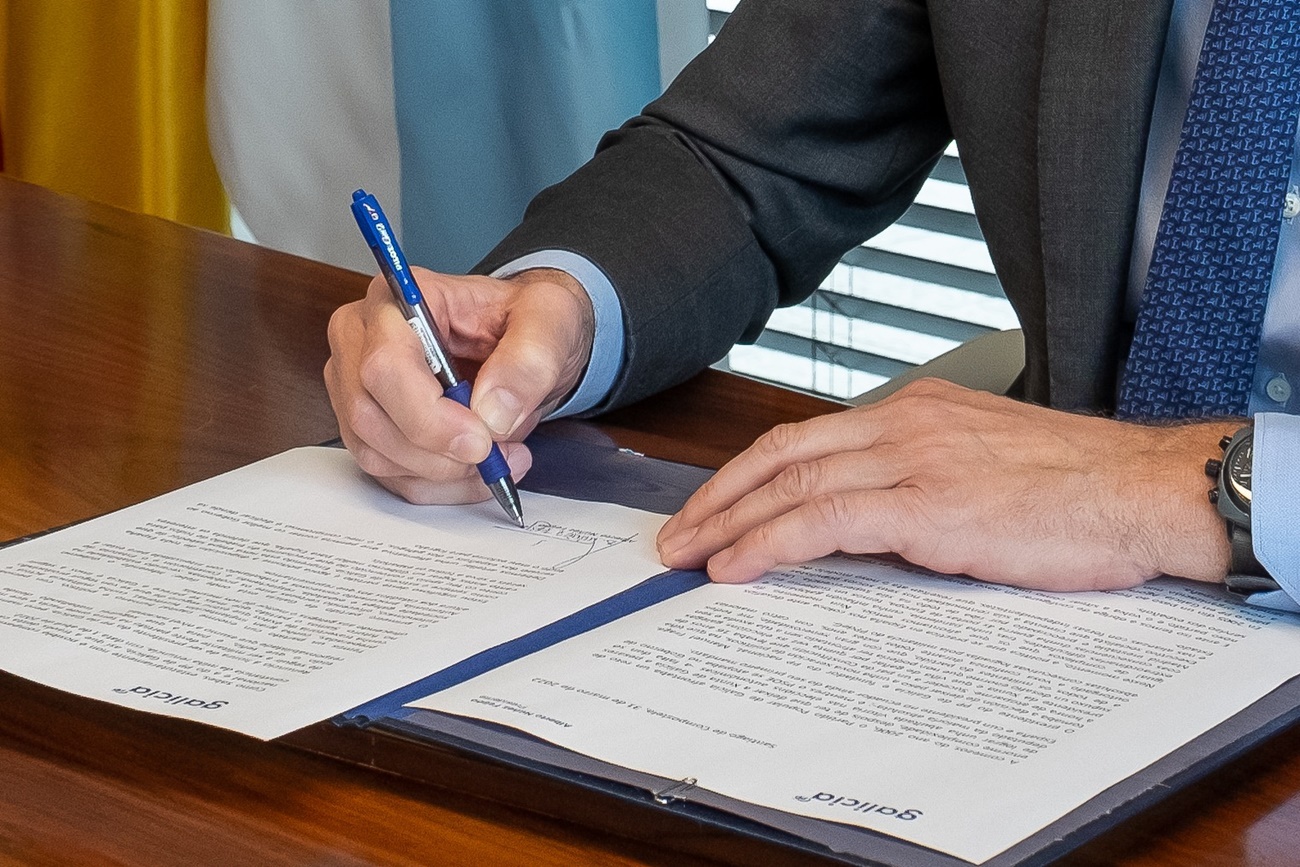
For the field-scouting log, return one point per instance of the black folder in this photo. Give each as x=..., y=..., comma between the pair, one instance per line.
x=507, y=766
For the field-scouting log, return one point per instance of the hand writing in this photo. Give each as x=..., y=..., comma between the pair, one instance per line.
x=529, y=338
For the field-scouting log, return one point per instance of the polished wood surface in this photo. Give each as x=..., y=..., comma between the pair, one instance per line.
x=139, y=356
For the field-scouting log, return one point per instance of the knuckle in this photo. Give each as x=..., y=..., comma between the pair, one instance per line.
x=369, y=460
x=924, y=394
x=362, y=417
x=376, y=368
x=547, y=369
x=377, y=291
x=763, y=538
x=705, y=493
x=798, y=482
x=780, y=440
x=340, y=325
x=929, y=386
x=836, y=512
x=925, y=402
x=334, y=329
x=725, y=524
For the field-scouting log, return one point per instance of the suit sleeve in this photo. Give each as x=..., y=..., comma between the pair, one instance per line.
x=805, y=128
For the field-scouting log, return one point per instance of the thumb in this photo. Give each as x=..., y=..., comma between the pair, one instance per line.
x=540, y=355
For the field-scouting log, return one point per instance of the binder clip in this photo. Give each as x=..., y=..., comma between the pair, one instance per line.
x=676, y=792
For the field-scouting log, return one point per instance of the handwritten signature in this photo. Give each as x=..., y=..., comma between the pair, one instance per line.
x=591, y=542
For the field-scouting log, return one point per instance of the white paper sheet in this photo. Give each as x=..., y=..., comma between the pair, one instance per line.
x=288, y=591
x=952, y=714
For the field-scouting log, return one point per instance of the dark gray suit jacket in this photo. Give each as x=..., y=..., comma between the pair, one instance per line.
x=809, y=125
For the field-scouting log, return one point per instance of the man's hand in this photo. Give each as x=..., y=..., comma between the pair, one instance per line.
x=529, y=337
x=961, y=481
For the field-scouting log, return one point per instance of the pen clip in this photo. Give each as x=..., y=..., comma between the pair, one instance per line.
x=378, y=232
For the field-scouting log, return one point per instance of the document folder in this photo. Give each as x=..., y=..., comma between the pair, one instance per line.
x=507, y=766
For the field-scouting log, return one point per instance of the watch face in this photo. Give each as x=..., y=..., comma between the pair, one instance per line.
x=1236, y=471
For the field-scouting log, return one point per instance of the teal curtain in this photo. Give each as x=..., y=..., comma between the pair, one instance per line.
x=497, y=99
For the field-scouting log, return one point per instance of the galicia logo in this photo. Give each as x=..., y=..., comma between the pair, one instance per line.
x=171, y=698
x=861, y=805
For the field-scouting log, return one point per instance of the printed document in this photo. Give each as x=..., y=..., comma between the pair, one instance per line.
x=288, y=591
x=956, y=715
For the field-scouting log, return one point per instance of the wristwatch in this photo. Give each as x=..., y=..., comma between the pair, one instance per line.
x=1232, y=496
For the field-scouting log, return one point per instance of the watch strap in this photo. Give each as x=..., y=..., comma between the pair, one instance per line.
x=1245, y=574
x=1249, y=585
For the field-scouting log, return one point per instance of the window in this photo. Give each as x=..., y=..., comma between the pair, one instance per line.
x=918, y=289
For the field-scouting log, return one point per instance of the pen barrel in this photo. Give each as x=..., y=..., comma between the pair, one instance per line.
x=493, y=468
x=421, y=322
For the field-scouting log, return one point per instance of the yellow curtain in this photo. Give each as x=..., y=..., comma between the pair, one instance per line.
x=104, y=99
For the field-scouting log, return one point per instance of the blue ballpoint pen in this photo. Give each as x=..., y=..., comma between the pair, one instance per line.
x=375, y=228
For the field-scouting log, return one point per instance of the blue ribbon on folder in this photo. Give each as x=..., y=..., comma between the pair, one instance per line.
x=663, y=586
x=572, y=460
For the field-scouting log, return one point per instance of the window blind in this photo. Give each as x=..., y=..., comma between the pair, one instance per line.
x=918, y=289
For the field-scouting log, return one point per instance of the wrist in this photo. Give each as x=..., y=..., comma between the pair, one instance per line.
x=560, y=278
x=575, y=296
x=1190, y=535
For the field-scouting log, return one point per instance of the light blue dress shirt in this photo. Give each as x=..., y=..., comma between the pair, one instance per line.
x=1275, y=398
x=1276, y=387
x=607, y=347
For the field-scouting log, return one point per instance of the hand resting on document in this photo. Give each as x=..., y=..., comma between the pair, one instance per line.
x=961, y=481
x=523, y=341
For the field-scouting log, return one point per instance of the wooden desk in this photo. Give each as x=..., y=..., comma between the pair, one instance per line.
x=138, y=356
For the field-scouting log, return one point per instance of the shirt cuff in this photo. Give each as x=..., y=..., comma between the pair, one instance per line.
x=1274, y=502
x=607, y=344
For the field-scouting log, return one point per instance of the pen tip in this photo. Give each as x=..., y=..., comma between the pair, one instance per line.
x=505, y=493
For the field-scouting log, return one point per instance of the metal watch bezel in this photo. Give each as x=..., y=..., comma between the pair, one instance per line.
x=1235, y=474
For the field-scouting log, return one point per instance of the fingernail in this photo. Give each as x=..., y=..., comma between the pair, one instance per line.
x=500, y=410
x=720, y=561
x=520, y=461
x=676, y=542
x=469, y=448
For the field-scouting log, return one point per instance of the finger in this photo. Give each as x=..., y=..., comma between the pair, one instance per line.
x=469, y=312
x=446, y=482
x=799, y=483
x=371, y=460
x=532, y=334
x=467, y=489
x=759, y=464
x=860, y=428
x=859, y=522
x=415, y=423
x=379, y=296
x=539, y=357
x=351, y=403
x=378, y=383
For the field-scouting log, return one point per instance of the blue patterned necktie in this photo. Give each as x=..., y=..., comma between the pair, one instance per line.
x=1197, y=334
